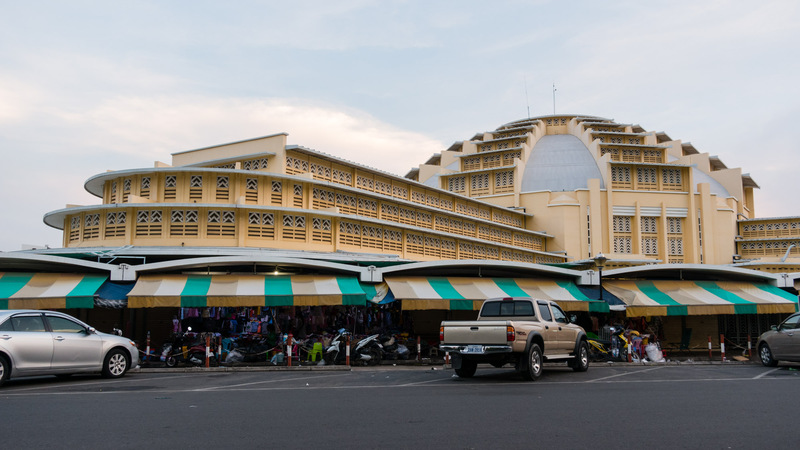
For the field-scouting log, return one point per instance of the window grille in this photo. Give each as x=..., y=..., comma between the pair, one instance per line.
x=261, y=225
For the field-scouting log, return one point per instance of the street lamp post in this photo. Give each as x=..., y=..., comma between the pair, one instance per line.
x=599, y=262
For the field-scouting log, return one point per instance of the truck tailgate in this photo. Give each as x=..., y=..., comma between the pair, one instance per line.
x=480, y=332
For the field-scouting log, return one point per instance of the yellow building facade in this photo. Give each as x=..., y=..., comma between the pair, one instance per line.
x=597, y=186
x=552, y=189
x=262, y=193
x=521, y=210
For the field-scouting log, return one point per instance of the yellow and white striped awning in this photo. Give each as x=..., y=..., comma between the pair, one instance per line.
x=48, y=290
x=244, y=290
x=467, y=293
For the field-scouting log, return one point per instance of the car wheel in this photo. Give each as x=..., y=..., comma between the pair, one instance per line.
x=533, y=363
x=581, y=362
x=766, y=356
x=5, y=370
x=467, y=369
x=116, y=364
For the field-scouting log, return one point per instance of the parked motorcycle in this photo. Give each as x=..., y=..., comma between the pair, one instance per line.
x=393, y=349
x=172, y=352
x=197, y=353
x=189, y=348
x=368, y=351
x=615, y=349
x=335, y=353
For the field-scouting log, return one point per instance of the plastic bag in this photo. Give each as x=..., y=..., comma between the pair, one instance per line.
x=234, y=356
x=654, y=353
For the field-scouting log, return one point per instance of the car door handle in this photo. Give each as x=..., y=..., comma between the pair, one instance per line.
x=59, y=338
x=5, y=336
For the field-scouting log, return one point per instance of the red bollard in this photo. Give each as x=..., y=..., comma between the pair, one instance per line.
x=289, y=350
x=147, y=351
x=347, y=350
x=749, y=347
x=709, y=349
x=722, y=346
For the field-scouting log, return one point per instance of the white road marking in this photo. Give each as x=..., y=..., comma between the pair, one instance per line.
x=765, y=374
x=103, y=382
x=424, y=382
x=623, y=374
x=282, y=380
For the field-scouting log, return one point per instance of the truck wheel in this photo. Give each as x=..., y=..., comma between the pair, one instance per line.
x=467, y=369
x=581, y=361
x=532, y=369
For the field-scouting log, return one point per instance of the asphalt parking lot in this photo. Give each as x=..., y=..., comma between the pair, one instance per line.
x=688, y=406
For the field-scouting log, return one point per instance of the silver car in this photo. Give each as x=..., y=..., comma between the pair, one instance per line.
x=34, y=342
x=781, y=343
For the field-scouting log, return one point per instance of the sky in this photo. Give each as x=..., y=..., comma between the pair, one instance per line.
x=91, y=86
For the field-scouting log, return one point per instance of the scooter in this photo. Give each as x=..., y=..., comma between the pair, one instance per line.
x=393, y=349
x=619, y=344
x=335, y=353
x=172, y=352
x=368, y=351
x=615, y=349
x=197, y=353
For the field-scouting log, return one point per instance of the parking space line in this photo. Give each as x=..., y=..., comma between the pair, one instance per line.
x=77, y=383
x=623, y=374
x=423, y=382
x=282, y=380
x=765, y=373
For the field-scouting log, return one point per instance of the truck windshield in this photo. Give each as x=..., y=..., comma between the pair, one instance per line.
x=506, y=308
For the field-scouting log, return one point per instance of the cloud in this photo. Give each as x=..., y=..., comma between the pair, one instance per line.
x=156, y=127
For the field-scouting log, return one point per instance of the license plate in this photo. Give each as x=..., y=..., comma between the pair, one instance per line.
x=473, y=349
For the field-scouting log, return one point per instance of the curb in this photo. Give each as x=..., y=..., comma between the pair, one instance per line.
x=140, y=369
x=397, y=364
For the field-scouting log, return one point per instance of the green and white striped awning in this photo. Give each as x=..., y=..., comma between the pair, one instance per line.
x=688, y=298
x=48, y=290
x=244, y=290
x=465, y=293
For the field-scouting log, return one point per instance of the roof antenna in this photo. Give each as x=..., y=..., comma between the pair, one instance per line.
x=527, y=102
x=554, y=98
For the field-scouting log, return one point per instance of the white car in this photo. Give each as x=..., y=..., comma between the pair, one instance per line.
x=35, y=342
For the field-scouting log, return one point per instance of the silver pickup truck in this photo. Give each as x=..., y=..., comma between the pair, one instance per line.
x=521, y=331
